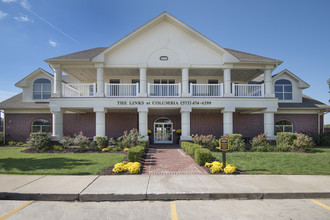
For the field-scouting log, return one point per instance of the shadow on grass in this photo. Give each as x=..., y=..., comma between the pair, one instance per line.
x=32, y=164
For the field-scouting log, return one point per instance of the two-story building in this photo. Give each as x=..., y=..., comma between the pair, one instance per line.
x=162, y=77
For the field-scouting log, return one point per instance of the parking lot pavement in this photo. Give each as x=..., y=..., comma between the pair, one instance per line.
x=202, y=209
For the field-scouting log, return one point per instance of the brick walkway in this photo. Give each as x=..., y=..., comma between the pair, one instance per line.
x=170, y=160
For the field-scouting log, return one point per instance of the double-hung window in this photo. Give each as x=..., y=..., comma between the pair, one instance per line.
x=283, y=89
x=41, y=89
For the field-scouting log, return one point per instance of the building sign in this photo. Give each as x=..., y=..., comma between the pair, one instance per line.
x=159, y=103
x=224, y=144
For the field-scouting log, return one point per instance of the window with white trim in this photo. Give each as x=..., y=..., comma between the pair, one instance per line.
x=283, y=126
x=41, y=125
x=41, y=89
x=283, y=89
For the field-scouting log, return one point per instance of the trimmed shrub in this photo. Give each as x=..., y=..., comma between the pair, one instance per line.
x=19, y=144
x=12, y=143
x=207, y=141
x=57, y=147
x=66, y=141
x=143, y=143
x=1, y=139
x=40, y=141
x=284, y=148
x=202, y=156
x=135, y=153
x=260, y=140
x=303, y=141
x=81, y=141
x=285, y=138
x=325, y=139
x=236, y=142
x=101, y=142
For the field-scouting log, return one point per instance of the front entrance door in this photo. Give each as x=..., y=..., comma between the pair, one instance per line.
x=163, y=131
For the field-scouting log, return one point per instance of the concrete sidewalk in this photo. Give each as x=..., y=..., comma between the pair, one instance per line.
x=162, y=187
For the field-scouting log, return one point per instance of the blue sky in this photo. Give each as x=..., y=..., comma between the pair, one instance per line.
x=297, y=32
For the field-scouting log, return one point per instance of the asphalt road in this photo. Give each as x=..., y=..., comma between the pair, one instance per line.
x=153, y=210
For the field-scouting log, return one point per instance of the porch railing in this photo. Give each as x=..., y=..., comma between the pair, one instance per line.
x=206, y=90
x=248, y=90
x=121, y=90
x=79, y=90
x=164, y=90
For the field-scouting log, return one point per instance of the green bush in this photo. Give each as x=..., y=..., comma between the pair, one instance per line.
x=81, y=141
x=66, y=141
x=135, y=153
x=303, y=141
x=143, y=143
x=40, y=141
x=115, y=148
x=1, y=139
x=97, y=148
x=260, y=140
x=325, y=139
x=285, y=138
x=261, y=148
x=236, y=142
x=12, y=143
x=284, y=147
x=101, y=142
x=207, y=141
x=190, y=148
x=19, y=144
x=129, y=139
x=202, y=156
x=57, y=147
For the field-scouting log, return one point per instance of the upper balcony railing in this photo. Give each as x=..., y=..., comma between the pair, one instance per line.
x=121, y=90
x=79, y=90
x=206, y=90
x=248, y=90
x=164, y=90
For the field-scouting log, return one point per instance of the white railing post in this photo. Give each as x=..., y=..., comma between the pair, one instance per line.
x=221, y=89
x=148, y=89
x=233, y=89
x=94, y=89
x=263, y=90
x=180, y=92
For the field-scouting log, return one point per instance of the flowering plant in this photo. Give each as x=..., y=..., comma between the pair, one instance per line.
x=132, y=167
x=178, y=131
x=149, y=131
x=207, y=141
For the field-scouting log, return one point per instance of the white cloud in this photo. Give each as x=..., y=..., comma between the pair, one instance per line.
x=53, y=43
x=23, y=19
x=25, y=4
x=8, y=1
x=3, y=14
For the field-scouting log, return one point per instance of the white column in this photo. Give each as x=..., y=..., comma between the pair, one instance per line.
x=143, y=123
x=269, y=125
x=57, y=81
x=227, y=121
x=100, y=82
x=269, y=92
x=143, y=82
x=185, y=82
x=185, y=124
x=57, y=124
x=100, y=122
x=227, y=82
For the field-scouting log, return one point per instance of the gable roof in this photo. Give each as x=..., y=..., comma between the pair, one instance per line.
x=307, y=102
x=95, y=54
x=23, y=82
x=243, y=56
x=302, y=83
x=84, y=55
x=16, y=102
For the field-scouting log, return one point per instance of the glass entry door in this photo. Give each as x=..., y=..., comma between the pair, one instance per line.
x=163, y=131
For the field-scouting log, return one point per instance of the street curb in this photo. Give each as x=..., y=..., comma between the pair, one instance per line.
x=161, y=197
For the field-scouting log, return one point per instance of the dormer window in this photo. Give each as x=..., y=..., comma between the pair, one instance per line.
x=283, y=89
x=41, y=89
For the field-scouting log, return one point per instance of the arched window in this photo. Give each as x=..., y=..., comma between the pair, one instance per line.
x=283, y=126
x=41, y=125
x=283, y=89
x=41, y=89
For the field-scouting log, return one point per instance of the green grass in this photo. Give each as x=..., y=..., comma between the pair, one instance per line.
x=13, y=161
x=281, y=163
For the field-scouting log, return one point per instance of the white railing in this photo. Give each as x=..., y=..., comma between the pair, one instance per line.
x=79, y=90
x=206, y=90
x=121, y=90
x=164, y=90
x=248, y=90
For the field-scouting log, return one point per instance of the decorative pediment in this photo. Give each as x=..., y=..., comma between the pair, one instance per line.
x=286, y=74
x=23, y=83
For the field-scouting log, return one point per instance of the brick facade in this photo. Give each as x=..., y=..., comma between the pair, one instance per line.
x=18, y=126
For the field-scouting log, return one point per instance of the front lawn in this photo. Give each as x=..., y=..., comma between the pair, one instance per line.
x=13, y=161
x=282, y=162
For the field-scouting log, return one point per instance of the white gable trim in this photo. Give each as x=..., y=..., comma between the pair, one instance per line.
x=23, y=83
x=302, y=84
x=166, y=16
